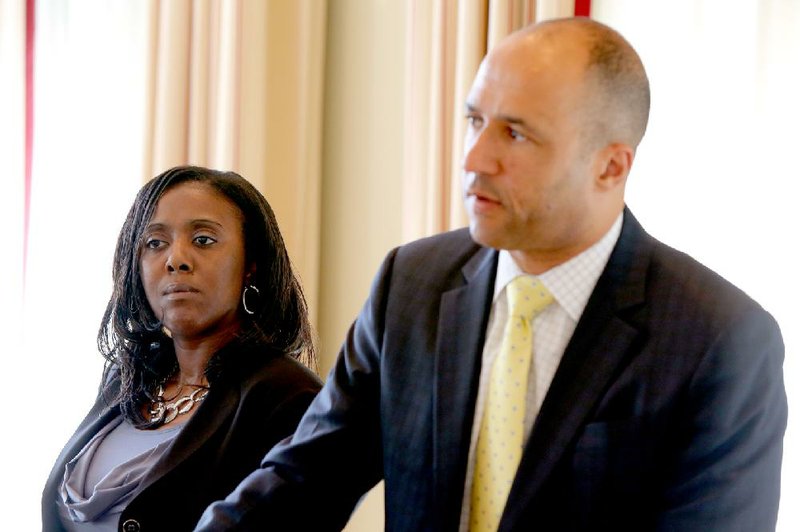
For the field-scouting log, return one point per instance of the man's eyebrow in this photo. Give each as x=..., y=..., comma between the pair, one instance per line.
x=514, y=120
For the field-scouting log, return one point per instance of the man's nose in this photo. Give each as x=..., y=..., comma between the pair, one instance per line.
x=480, y=152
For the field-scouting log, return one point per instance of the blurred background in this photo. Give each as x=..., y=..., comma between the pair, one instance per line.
x=347, y=114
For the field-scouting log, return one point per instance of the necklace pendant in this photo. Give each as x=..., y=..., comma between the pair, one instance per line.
x=171, y=413
x=165, y=413
x=183, y=405
x=156, y=412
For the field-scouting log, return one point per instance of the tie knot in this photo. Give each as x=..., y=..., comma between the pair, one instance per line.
x=527, y=297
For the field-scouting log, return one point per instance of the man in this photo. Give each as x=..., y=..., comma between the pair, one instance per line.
x=650, y=396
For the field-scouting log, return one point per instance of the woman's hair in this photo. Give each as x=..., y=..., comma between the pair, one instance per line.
x=131, y=337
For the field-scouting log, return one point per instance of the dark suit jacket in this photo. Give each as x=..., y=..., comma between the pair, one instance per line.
x=667, y=411
x=246, y=412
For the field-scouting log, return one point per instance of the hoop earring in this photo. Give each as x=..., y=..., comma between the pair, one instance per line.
x=244, y=298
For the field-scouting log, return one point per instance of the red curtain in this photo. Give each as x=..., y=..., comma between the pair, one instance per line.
x=583, y=8
x=30, y=31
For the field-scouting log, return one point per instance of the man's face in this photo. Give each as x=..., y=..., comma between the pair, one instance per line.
x=528, y=180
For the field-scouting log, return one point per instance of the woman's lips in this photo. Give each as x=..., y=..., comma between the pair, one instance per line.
x=179, y=288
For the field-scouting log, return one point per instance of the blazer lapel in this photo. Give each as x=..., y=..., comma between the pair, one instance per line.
x=210, y=417
x=459, y=344
x=598, y=347
x=99, y=416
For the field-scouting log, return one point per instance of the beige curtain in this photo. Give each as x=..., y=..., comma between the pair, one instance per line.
x=237, y=85
x=445, y=44
x=445, y=41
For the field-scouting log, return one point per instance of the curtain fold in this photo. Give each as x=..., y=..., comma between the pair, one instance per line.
x=281, y=114
x=237, y=85
x=430, y=54
x=445, y=44
x=476, y=26
x=194, y=84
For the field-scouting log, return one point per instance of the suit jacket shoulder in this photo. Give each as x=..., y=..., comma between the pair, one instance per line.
x=669, y=392
x=435, y=258
x=665, y=413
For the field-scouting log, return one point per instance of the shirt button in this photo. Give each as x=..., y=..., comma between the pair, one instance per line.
x=131, y=525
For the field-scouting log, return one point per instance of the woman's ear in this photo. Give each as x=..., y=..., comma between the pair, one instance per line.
x=249, y=273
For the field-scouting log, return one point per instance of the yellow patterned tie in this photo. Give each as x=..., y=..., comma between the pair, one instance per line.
x=501, y=436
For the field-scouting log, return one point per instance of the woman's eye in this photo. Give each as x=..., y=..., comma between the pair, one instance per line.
x=153, y=243
x=204, y=240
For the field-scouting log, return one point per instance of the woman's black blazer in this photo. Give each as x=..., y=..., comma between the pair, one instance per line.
x=247, y=411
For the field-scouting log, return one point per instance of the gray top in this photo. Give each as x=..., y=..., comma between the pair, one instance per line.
x=103, y=478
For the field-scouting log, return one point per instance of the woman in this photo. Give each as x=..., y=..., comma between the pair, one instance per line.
x=202, y=337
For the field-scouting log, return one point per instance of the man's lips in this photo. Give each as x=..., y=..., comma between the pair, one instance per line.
x=482, y=200
x=179, y=288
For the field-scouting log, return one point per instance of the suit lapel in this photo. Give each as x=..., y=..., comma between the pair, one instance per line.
x=600, y=344
x=463, y=315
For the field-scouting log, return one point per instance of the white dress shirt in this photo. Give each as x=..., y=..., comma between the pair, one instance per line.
x=571, y=285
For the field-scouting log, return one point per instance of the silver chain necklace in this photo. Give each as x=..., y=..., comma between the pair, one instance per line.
x=163, y=412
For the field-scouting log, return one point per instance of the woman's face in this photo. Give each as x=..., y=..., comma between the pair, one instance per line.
x=193, y=262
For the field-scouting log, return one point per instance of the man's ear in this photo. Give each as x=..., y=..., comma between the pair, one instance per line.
x=613, y=165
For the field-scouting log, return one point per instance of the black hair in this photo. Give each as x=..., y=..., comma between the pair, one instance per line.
x=139, y=353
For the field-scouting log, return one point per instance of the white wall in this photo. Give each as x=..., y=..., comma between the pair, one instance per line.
x=717, y=173
x=86, y=170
